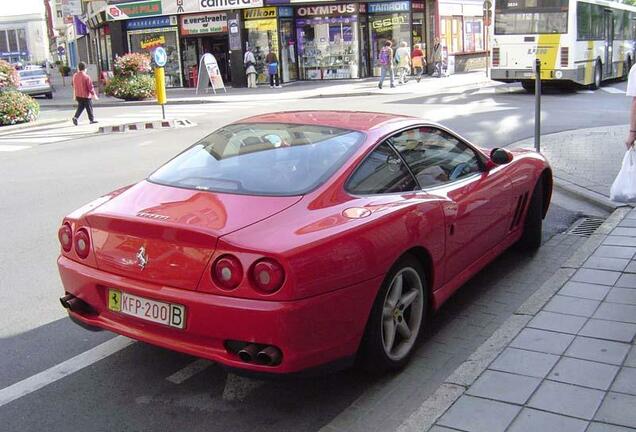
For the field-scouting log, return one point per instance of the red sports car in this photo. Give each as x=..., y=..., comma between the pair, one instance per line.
x=298, y=240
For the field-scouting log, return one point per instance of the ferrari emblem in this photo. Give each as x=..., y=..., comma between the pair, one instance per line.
x=142, y=258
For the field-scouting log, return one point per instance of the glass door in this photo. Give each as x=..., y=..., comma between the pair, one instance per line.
x=288, y=50
x=609, y=43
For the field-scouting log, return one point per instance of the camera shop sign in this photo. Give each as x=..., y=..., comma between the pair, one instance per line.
x=214, y=5
x=392, y=7
x=330, y=10
x=203, y=23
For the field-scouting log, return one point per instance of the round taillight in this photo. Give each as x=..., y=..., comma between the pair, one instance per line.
x=65, y=235
x=227, y=272
x=268, y=275
x=82, y=243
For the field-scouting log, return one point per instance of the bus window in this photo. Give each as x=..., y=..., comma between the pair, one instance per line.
x=583, y=21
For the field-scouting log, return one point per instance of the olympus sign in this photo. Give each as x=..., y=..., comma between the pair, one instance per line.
x=342, y=9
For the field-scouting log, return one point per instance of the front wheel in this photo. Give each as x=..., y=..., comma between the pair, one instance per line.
x=533, y=224
x=598, y=76
x=396, y=318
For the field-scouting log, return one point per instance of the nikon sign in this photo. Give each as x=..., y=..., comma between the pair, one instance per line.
x=214, y=5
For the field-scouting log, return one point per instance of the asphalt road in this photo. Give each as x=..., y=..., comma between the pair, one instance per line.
x=135, y=387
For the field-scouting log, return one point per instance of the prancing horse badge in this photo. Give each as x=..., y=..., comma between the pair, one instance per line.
x=142, y=258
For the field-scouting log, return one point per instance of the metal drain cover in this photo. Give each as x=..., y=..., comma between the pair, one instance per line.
x=585, y=227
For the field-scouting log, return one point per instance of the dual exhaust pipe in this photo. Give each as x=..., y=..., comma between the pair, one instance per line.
x=75, y=304
x=268, y=356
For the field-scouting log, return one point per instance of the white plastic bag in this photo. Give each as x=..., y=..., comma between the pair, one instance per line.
x=624, y=187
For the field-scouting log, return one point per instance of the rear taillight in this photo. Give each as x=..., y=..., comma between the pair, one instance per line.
x=267, y=275
x=227, y=272
x=495, y=56
x=65, y=235
x=565, y=56
x=82, y=243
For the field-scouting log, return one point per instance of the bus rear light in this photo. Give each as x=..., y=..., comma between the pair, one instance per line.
x=565, y=56
x=495, y=56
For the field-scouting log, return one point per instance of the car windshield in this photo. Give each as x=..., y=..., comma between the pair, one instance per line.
x=261, y=159
x=31, y=73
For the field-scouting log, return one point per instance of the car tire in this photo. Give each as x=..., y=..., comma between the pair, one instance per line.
x=528, y=86
x=628, y=66
x=49, y=95
x=385, y=345
x=598, y=76
x=533, y=224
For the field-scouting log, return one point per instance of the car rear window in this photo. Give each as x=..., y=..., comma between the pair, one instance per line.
x=261, y=159
x=31, y=73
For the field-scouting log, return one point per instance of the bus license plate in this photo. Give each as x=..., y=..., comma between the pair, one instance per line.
x=169, y=314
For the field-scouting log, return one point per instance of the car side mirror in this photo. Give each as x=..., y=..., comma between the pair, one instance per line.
x=500, y=156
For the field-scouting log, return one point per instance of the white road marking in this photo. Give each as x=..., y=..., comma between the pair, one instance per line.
x=189, y=371
x=145, y=143
x=12, y=148
x=586, y=91
x=57, y=372
x=613, y=90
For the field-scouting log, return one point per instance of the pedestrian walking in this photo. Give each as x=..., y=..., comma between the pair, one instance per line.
x=249, y=61
x=631, y=92
x=84, y=93
x=403, y=59
x=272, y=69
x=418, y=61
x=385, y=59
x=437, y=57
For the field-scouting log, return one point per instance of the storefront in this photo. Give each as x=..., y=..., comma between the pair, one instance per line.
x=388, y=21
x=261, y=29
x=146, y=34
x=462, y=33
x=328, y=41
x=200, y=34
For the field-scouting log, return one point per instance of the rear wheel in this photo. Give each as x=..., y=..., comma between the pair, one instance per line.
x=533, y=224
x=628, y=66
x=396, y=318
x=49, y=95
x=528, y=86
x=598, y=76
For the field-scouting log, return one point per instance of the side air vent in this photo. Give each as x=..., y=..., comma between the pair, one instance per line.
x=521, y=205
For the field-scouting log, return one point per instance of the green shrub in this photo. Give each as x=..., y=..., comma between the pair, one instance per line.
x=16, y=107
x=131, y=88
x=9, y=78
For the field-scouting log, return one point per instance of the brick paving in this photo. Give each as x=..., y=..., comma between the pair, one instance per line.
x=572, y=367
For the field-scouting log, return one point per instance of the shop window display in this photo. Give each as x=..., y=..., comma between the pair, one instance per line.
x=328, y=47
x=393, y=27
x=144, y=41
x=473, y=34
x=262, y=36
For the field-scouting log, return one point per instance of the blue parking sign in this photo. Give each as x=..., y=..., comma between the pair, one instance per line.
x=160, y=56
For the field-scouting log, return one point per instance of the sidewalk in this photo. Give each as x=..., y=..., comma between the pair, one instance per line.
x=63, y=95
x=585, y=161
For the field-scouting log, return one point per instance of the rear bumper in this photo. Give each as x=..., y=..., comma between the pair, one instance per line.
x=36, y=90
x=513, y=75
x=309, y=332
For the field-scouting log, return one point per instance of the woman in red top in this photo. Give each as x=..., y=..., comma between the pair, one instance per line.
x=418, y=61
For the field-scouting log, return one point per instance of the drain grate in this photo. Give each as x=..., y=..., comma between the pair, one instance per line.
x=585, y=227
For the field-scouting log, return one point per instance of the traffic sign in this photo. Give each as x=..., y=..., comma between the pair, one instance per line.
x=487, y=12
x=61, y=50
x=160, y=56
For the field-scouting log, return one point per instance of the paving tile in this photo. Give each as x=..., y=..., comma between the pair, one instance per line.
x=584, y=290
x=530, y=420
x=631, y=358
x=628, y=232
x=602, y=263
x=627, y=280
x=618, y=409
x=557, y=322
x=616, y=312
x=598, y=350
x=441, y=429
x=584, y=373
x=504, y=386
x=615, y=252
x=628, y=223
x=631, y=267
x=613, y=240
x=572, y=305
x=479, y=415
x=601, y=277
x=622, y=295
x=542, y=341
x=524, y=362
x=611, y=330
x=625, y=381
x=567, y=399
x=602, y=427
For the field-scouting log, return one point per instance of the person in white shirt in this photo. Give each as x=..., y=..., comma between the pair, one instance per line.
x=250, y=68
x=631, y=92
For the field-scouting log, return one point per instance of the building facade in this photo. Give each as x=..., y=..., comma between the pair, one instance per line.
x=319, y=40
x=24, y=37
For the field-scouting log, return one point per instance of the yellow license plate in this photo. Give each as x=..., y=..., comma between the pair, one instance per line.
x=169, y=314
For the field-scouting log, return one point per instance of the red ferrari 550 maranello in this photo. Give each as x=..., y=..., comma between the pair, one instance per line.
x=297, y=240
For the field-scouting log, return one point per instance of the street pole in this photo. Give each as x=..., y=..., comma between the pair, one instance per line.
x=537, y=105
x=160, y=89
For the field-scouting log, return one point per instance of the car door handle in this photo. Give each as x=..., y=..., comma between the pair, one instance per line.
x=451, y=229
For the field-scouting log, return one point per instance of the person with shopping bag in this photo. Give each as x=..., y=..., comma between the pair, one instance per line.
x=624, y=187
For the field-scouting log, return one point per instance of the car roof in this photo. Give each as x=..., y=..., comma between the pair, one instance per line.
x=355, y=120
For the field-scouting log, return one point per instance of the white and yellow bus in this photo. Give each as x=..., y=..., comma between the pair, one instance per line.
x=580, y=41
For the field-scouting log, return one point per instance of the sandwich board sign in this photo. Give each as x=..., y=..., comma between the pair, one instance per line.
x=209, y=73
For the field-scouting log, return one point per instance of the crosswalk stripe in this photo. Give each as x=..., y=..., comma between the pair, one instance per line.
x=12, y=148
x=189, y=371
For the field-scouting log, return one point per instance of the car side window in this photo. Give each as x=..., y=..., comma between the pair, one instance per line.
x=435, y=156
x=381, y=172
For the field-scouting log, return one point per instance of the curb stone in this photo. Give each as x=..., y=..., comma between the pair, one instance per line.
x=146, y=125
x=459, y=381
